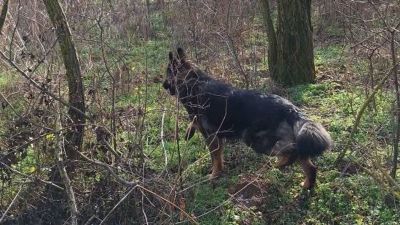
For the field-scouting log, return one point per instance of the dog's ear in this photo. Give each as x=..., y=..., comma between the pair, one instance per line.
x=181, y=54
x=171, y=56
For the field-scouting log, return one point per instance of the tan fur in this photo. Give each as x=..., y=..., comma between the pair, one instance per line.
x=310, y=171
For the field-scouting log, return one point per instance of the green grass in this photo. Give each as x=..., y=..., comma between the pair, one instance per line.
x=331, y=55
x=150, y=57
x=338, y=108
x=7, y=80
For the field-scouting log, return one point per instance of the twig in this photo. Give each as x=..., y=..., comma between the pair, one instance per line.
x=88, y=222
x=14, y=30
x=104, y=165
x=11, y=204
x=103, y=55
x=118, y=203
x=162, y=139
x=223, y=203
x=359, y=116
x=64, y=176
x=66, y=181
x=30, y=177
x=190, y=218
x=38, y=86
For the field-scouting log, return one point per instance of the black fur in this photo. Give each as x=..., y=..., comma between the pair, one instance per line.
x=265, y=122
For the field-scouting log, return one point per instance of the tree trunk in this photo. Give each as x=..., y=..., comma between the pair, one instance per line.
x=292, y=56
x=74, y=136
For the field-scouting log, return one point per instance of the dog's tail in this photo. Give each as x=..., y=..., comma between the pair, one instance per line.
x=311, y=138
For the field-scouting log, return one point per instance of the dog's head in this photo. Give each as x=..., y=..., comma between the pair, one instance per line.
x=177, y=71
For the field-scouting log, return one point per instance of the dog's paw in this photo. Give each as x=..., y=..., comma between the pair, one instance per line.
x=307, y=185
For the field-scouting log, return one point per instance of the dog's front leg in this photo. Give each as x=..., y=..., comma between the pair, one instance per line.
x=215, y=145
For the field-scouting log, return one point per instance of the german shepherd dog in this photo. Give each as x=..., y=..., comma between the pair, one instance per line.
x=267, y=123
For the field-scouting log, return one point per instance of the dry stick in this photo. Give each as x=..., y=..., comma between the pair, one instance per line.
x=14, y=30
x=392, y=31
x=397, y=111
x=106, y=166
x=391, y=181
x=224, y=202
x=143, y=211
x=231, y=46
x=190, y=218
x=180, y=197
x=177, y=142
x=31, y=177
x=38, y=86
x=58, y=155
x=11, y=204
x=162, y=139
x=89, y=221
x=67, y=181
x=146, y=95
x=9, y=104
x=118, y=203
x=193, y=31
x=359, y=115
x=113, y=117
x=394, y=188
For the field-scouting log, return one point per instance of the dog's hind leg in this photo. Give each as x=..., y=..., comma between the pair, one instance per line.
x=285, y=150
x=310, y=171
x=285, y=160
x=215, y=145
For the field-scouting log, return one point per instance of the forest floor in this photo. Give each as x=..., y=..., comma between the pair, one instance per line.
x=251, y=190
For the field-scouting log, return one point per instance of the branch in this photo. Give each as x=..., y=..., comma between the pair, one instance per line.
x=9, y=206
x=107, y=167
x=189, y=217
x=359, y=116
x=67, y=181
x=31, y=177
x=38, y=86
x=118, y=203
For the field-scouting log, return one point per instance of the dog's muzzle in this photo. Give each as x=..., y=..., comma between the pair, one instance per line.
x=169, y=87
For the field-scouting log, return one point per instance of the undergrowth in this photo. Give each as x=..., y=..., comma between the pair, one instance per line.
x=277, y=197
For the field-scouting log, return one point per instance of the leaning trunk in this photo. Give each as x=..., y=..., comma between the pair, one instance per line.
x=74, y=136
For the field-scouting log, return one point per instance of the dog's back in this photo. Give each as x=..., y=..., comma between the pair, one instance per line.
x=260, y=119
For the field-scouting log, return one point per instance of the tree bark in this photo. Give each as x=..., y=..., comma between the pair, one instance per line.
x=291, y=48
x=3, y=15
x=272, y=42
x=74, y=136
